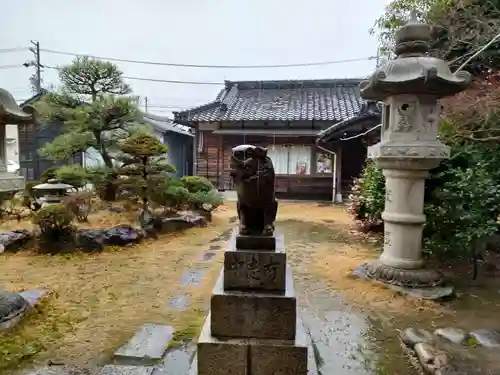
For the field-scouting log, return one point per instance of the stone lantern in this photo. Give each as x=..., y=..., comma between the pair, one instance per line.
x=12, y=305
x=52, y=191
x=10, y=114
x=409, y=87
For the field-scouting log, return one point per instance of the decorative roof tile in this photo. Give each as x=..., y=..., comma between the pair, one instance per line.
x=321, y=100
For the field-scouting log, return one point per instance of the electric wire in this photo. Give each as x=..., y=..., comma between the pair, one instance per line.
x=210, y=66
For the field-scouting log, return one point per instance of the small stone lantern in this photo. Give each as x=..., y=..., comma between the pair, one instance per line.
x=52, y=191
x=409, y=87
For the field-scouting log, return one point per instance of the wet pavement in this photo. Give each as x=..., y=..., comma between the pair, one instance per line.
x=345, y=341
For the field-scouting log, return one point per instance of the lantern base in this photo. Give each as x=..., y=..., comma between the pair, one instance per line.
x=406, y=278
x=11, y=182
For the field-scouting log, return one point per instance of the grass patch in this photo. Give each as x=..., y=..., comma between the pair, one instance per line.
x=41, y=328
x=98, y=301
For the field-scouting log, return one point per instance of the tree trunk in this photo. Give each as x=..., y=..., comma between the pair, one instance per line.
x=109, y=191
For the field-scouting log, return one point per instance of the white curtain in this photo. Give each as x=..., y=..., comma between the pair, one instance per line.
x=290, y=160
x=279, y=157
x=300, y=160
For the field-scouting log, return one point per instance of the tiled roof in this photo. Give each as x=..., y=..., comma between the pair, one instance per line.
x=320, y=100
x=163, y=124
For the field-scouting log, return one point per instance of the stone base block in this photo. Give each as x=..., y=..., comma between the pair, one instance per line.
x=254, y=315
x=266, y=243
x=254, y=356
x=219, y=357
x=249, y=270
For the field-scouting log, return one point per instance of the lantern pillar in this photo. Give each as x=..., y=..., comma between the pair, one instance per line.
x=409, y=87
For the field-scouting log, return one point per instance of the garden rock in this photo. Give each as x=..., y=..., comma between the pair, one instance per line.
x=185, y=221
x=59, y=370
x=96, y=239
x=454, y=335
x=175, y=223
x=487, y=338
x=432, y=360
x=412, y=336
x=12, y=308
x=14, y=239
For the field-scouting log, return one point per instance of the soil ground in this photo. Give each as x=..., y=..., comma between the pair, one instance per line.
x=98, y=301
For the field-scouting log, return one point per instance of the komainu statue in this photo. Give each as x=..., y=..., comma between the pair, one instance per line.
x=253, y=174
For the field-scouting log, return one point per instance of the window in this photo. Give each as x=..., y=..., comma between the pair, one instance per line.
x=323, y=163
x=291, y=159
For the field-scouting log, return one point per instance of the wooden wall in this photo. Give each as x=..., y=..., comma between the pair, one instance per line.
x=213, y=163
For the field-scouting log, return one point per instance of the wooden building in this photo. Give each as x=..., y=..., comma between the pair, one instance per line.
x=32, y=137
x=286, y=117
x=178, y=139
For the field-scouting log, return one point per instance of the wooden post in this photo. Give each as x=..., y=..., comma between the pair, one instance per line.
x=338, y=173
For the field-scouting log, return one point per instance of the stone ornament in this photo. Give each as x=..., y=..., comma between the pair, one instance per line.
x=253, y=174
x=410, y=87
x=12, y=305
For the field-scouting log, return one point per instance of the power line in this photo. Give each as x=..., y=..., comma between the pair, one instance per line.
x=211, y=66
x=159, y=80
x=15, y=49
x=11, y=66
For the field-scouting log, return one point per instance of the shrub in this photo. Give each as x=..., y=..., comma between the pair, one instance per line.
x=54, y=218
x=462, y=200
x=57, y=230
x=205, y=201
x=79, y=204
x=29, y=198
x=48, y=174
x=74, y=175
x=195, y=184
x=367, y=200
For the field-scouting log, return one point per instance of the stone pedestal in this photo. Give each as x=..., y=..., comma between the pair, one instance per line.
x=253, y=326
x=410, y=87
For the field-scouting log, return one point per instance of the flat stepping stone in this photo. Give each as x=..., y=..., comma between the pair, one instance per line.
x=454, y=335
x=487, y=338
x=179, y=302
x=126, y=370
x=192, y=277
x=146, y=347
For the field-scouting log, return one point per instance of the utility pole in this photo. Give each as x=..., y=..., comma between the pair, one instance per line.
x=145, y=104
x=37, y=78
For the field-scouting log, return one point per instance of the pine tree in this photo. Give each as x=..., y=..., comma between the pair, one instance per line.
x=93, y=105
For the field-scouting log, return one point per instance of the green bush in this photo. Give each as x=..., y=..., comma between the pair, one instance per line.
x=56, y=229
x=169, y=193
x=462, y=200
x=48, y=174
x=205, y=201
x=74, y=175
x=195, y=184
x=29, y=198
x=53, y=218
x=367, y=200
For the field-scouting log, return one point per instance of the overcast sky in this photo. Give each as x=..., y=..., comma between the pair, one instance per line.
x=209, y=32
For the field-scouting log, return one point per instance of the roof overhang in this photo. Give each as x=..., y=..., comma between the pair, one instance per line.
x=277, y=133
x=352, y=126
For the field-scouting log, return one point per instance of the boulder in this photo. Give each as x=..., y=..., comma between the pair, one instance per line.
x=14, y=239
x=95, y=239
x=56, y=369
x=175, y=223
x=432, y=360
x=487, y=338
x=454, y=335
x=184, y=221
x=12, y=308
x=412, y=336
